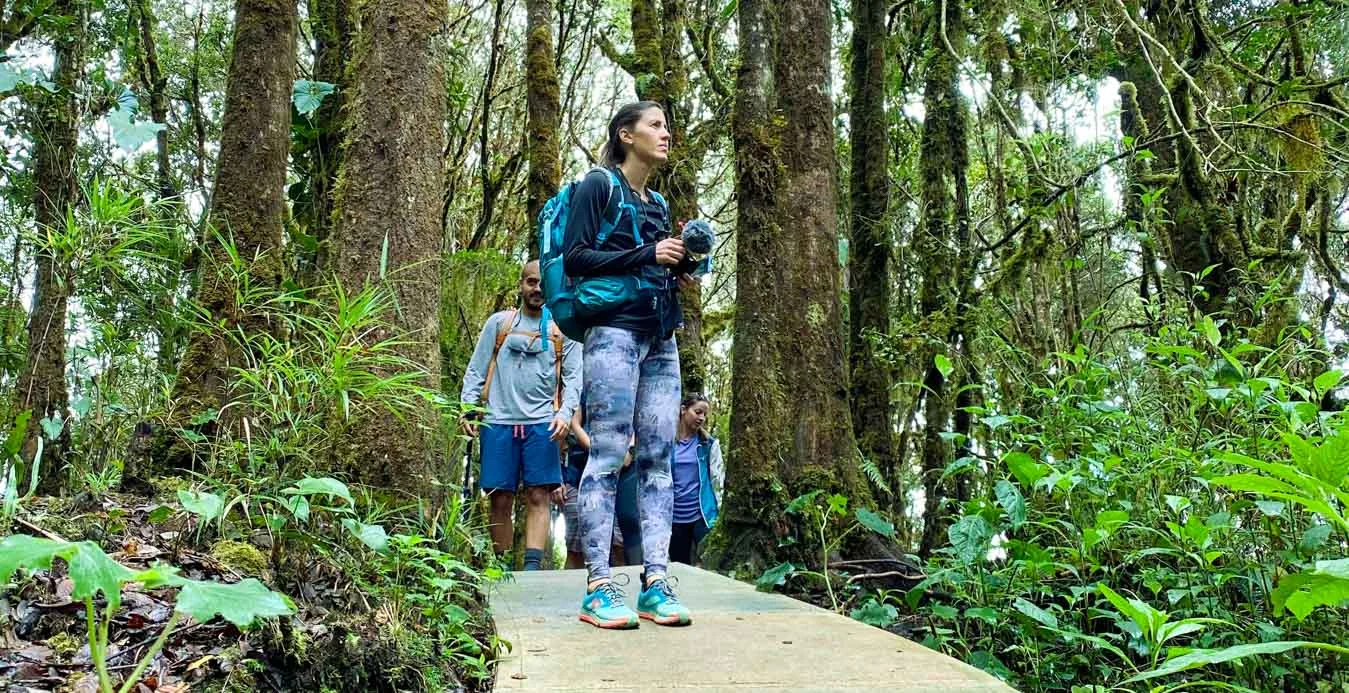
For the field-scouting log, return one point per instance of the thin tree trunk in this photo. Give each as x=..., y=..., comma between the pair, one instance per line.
x=388, y=204
x=869, y=292
x=544, y=101
x=942, y=164
x=156, y=85
x=334, y=32
x=41, y=385
x=247, y=206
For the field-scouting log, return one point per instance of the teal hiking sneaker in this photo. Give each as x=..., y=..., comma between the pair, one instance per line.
x=604, y=608
x=658, y=604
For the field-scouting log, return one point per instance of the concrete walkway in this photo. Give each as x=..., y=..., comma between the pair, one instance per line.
x=740, y=639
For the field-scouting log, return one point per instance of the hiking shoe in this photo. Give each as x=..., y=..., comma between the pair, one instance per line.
x=658, y=604
x=604, y=608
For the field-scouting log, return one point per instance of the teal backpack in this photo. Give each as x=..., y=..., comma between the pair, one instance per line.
x=572, y=301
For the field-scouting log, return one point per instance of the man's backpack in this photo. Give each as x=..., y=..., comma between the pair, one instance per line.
x=504, y=330
x=573, y=300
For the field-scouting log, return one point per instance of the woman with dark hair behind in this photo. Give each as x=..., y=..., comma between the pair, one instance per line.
x=631, y=362
x=697, y=474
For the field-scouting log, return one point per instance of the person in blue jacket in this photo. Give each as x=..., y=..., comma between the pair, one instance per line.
x=698, y=474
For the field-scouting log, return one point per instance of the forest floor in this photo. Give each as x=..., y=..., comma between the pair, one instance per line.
x=340, y=638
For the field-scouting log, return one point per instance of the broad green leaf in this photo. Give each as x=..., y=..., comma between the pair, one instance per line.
x=1314, y=538
x=299, y=508
x=324, y=485
x=1327, y=381
x=996, y=421
x=1255, y=484
x=1177, y=503
x=22, y=552
x=52, y=426
x=1011, y=501
x=241, y=603
x=1171, y=631
x=205, y=417
x=207, y=505
x=14, y=440
x=458, y=614
x=774, y=576
x=983, y=613
x=1271, y=508
x=308, y=95
x=1313, y=460
x=875, y=522
x=1143, y=615
x=989, y=662
x=838, y=504
x=130, y=134
x=1198, y=658
x=944, y=612
x=10, y=77
x=159, y=515
x=1025, y=468
x=1210, y=330
x=1036, y=614
x=160, y=575
x=802, y=501
x=373, y=536
x=874, y=613
x=958, y=465
x=1326, y=584
x=1110, y=520
x=93, y=571
x=970, y=537
x=943, y=365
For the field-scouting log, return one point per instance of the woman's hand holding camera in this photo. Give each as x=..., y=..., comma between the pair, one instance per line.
x=670, y=251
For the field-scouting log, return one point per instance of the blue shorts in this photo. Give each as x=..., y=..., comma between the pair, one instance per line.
x=507, y=448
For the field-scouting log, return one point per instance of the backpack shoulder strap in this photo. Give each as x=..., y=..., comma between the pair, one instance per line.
x=503, y=329
x=613, y=207
x=555, y=336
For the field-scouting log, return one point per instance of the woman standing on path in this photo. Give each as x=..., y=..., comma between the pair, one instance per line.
x=697, y=475
x=631, y=362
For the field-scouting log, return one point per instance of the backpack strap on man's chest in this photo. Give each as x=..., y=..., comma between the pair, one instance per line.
x=503, y=330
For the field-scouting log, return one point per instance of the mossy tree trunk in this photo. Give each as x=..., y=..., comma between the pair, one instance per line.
x=41, y=386
x=388, y=204
x=334, y=28
x=247, y=206
x=943, y=160
x=791, y=430
x=869, y=256
x=544, y=101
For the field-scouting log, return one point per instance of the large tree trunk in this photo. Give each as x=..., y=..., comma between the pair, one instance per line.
x=41, y=386
x=943, y=161
x=388, y=199
x=869, y=294
x=544, y=99
x=790, y=426
x=248, y=204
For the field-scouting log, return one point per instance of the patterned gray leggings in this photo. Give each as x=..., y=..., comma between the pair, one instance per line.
x=632, y=386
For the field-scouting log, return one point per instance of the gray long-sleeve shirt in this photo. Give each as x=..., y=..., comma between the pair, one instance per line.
x=525, y=380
